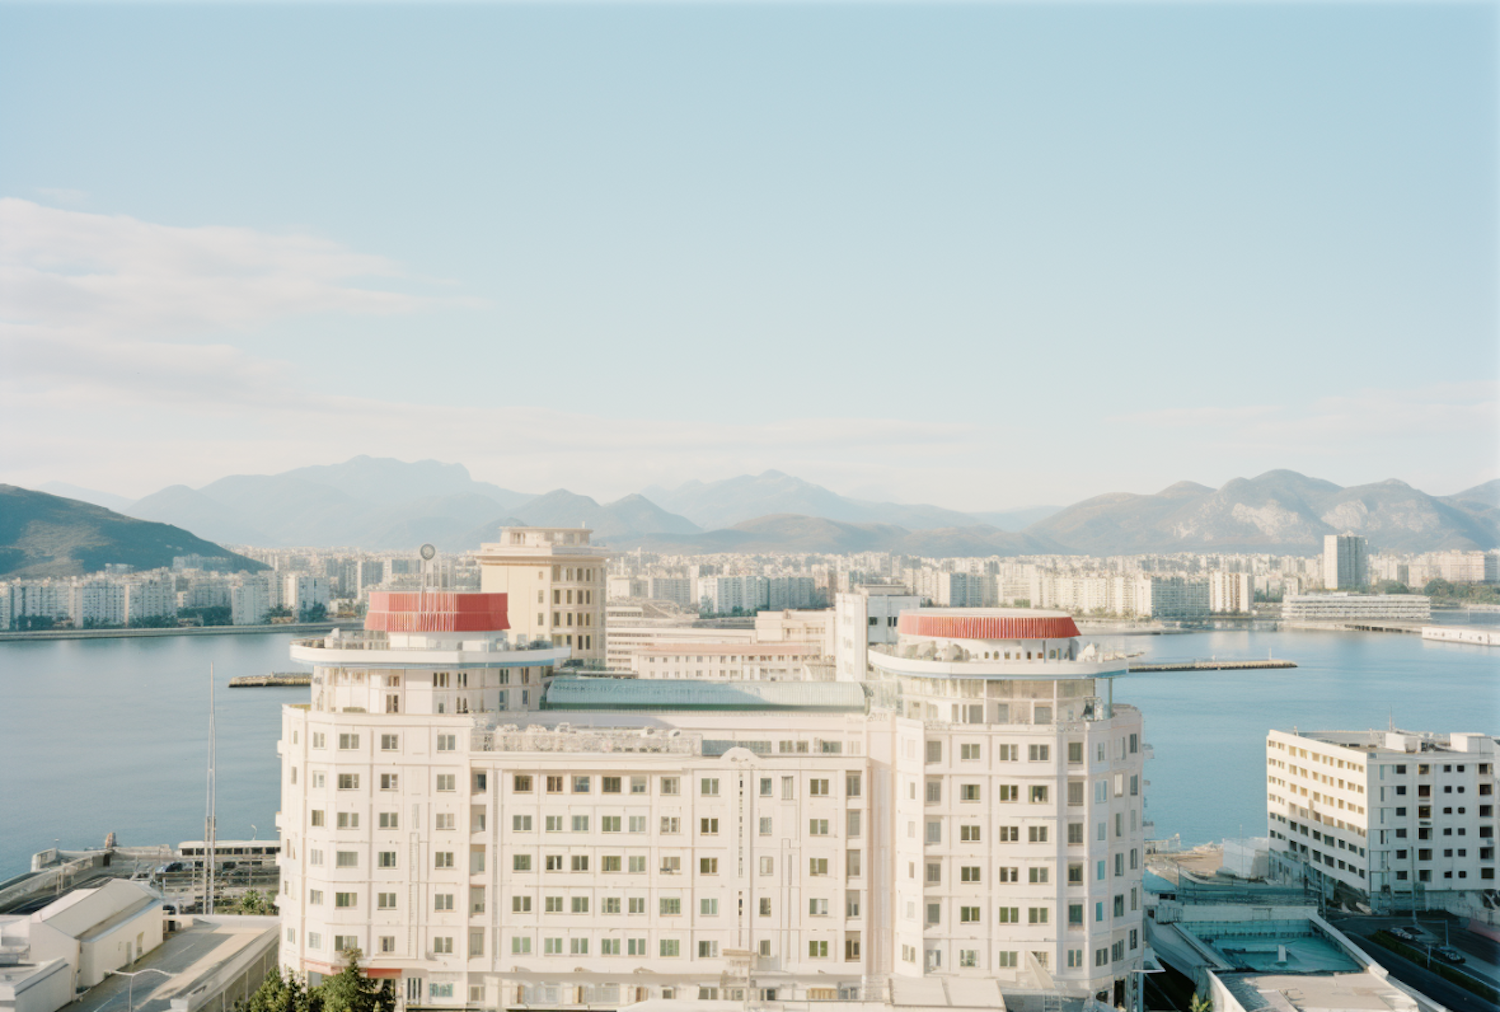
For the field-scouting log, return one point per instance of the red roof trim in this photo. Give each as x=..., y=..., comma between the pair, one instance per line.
x=988, y=627
x=436, y=611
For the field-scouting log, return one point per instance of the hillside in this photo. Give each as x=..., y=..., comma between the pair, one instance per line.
x=720, y=504
x=48, y=535
x=790, y=533
x=1279, y=511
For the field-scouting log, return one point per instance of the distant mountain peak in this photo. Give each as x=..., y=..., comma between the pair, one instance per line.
x=1183, y=488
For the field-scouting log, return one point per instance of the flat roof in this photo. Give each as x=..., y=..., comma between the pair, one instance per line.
x=693, y=694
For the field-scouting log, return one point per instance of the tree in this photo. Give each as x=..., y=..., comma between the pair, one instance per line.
x=1392, y=587
x=281, y=994
x=1438, y=588
x=256, y=902
x=350, y=991
x=1201, y=1003
x=313, y=613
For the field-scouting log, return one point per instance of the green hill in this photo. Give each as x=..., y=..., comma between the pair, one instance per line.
x=47, y=535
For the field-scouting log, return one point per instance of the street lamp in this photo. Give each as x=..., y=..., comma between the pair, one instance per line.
x=130, y=990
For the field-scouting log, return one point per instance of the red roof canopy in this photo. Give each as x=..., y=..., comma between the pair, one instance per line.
x=436, y=611
x=988, y=627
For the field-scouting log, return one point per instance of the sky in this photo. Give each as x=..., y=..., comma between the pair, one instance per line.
x=979, y=255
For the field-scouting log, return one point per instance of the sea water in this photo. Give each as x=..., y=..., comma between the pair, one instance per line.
x=111, y=735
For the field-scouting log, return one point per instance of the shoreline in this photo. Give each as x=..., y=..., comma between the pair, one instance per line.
x=205, y=630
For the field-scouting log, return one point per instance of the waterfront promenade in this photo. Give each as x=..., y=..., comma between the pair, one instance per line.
x=196, y=630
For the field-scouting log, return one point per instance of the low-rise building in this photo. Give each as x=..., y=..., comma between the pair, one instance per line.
x=1345, y=607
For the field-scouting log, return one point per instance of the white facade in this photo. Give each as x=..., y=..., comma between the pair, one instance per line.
x=555, y=581
x=754, y=662
x=1383, y=813
x=1345, y=607
x=676, y=589
x=1230, y=593
x=865, y=616
x=301, y=591
x=252, y=597
x=786, y=838
x=98, y=602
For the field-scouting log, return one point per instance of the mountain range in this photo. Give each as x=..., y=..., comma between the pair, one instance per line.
x=47, y=535
x=385, y=504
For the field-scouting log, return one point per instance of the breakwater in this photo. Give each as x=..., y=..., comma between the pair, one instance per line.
x=1212, y=665
x=191, y=630
x=276, y=679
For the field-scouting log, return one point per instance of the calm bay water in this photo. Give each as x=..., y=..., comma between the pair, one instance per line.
x=101, y=735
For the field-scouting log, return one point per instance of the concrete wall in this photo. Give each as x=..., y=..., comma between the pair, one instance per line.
x=46, y=990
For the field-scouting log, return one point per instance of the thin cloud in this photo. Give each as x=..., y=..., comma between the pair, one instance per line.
x=109, y=276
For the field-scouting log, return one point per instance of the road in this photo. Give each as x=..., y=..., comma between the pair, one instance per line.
x=1481, y=951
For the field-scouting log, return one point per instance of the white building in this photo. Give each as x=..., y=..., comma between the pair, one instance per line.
x=22, y=601
x=75, y=940
x=150, y=598
x=725, y=594
x=1346, y=607
x=1230, y=593
x=864, y=617
x=302, y=591
x=554, y=580
x=251, y=597
x=652, y=839
x=676, y=589
x=1381, y=814
x=756, y=662
x=1345, y=562
x=813, y=627
x=97, y=602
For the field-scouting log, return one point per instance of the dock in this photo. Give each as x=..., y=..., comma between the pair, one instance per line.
x=1212, y=665
x=276, y=679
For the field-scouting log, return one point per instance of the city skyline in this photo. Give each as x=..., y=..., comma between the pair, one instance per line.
x=885, y=249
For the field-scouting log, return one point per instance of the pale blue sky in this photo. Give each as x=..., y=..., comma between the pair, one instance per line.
x=980, y=255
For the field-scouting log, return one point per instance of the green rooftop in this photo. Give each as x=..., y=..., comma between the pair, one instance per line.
x=664, y=694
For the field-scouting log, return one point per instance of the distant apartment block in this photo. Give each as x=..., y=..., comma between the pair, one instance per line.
x=1230, y=593
x=1345, y=562
x=1393, y=816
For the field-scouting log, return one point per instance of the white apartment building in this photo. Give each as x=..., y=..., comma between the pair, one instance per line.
x=21, y=600
x=1391, y=817
x=554, y=580
x=97, y=602
x=252, y=597
x=301, y=591
x=725, y=594
x=864, y=617
x=676, y=589
x=654, y=839
x=1346, y=607
x=1345, y=562
x=150, y=597
x=1230, y=593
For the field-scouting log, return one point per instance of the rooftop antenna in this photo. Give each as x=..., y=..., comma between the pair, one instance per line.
x=427, y=552
x=209, y=840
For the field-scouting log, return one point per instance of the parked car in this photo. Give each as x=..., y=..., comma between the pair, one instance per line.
x=169, y=868
x=1403, y=934
x=1448, y=954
